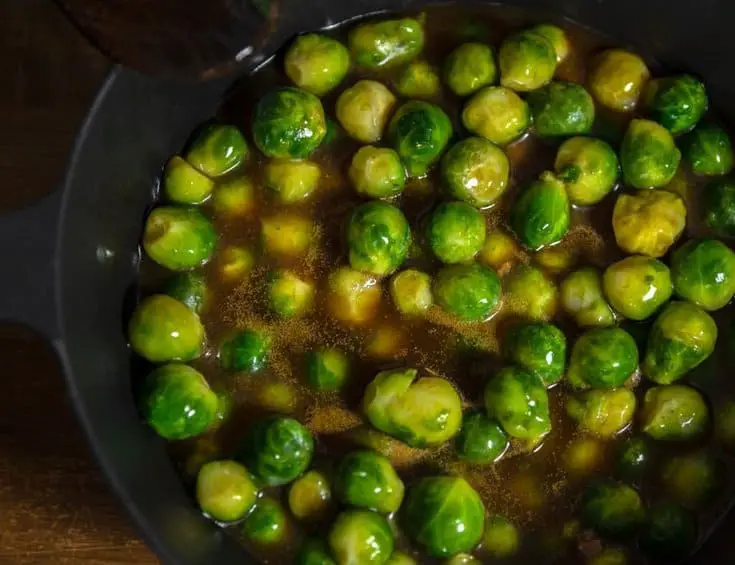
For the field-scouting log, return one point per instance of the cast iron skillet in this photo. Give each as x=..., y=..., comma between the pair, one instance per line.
x=71, y=260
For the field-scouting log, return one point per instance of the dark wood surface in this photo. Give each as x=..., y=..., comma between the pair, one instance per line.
x=55, y=508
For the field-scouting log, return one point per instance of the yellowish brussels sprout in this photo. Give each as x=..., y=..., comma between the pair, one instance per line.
x=556, y=36
x=555, y=259
x=288, y=235
x=530, y=293
x=527, y=61
x=589, y=169
x=418, y=80
x=411, y=292
x=310, y=496
x=316, y=63
x=184, y=184
x=234, y=198
x=354, y=296
x=469, y=67
x=603, y=413
x=497, y=114
x=388, y=341
x=289, y=294
x=583, y=456
x=637, y=286
x=363, y=110
x=618, y=78
x=377, y=172
x=292, y=179
x=386, y=43
x=500, y=248
x=582, y=298
x=649, y=221
x=235, y=262
x=693, y=480
x=500, y=538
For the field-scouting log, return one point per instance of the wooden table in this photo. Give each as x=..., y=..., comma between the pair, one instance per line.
x=54, y=504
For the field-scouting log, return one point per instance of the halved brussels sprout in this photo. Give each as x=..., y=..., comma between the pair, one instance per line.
x=539, y=348
x=377, y=172
x=470, y=292
x=561, y=108
x=363, y=110
x=670, y=532
x=709, y=150
x=501, y=538
x=289, y=294
x=469, y=67
x=386, y=43
x=378, y=237
x=703, y=271
x=183, y=184
x=411, y=292
x=292, y=179
x=617, y=79
x=588, y=168
x=418, y=80
x=497, y=114
x=527, y=61
x=582, y=298
x=612, y=510
x=246, y=350
x=481, y=440
x=361, y=537
x=718, y=207
x=314, y=552
x=190, y=289
x=602, y=413
x=529, y=293
x=603, y=358
x=633, y=458
x=327, y=369
x=455, y=232
x=648, y=155
x=353, y=296
x=225, y=490
x=540, y=215
x=217, y=150
x=674, y=413
x=637, y=286
x=500, y=249
x=368, y=480
x=556, y=37
x=693, y=480
x=419, y=132
x=235, y=263
x=287, y=235
x=676, y=102
x=234, y=198
x=316, y=63
x=178, y=238
x=475, y=171
x=266, y=523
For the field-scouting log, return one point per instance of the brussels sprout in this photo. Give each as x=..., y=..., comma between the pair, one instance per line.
x=709, y=150
x=692, y=480
x=588, y=168
x=377, y=172
x=421, y=412
x=361, y=537
x=292, y=179
x=363, y=110
x=613, y=510
x=378, y=237
x=234, y=198
x=561, y=108
x=217, y=150
x=670, y=533
x=618, y=79
x=289, y=294
x=520, y=403
x=500, y=249
x=470, y=292
x=400, y=558
x=725, y=424
x=648, y=155
x=681, y=338
x=277, y=450
x=469, y=67
x=556, y=37
x=649, y=221
x=225, y=491
x=289, y=123
x=266, y=523
x=583, y=456
x=676, y=102
x=556, y=260
x=455, y=232
x=411, y=292
x=314, y=552
x=497, y=114
x=163, y=329
x=277, y=396
x=500, y=538
x=609, y=556
x=475, y=171
x=540, y=215
x=287, y=235
x=327, y=369
x=246, y=350
x=637, y=286
x=527, y=61
x=632, y=458
x=387, y=43
x=718, y=207
x=538, y=348
x=368, y=480
x=188, y=288
x=603, y=358
x=353, y=296
x=529, y=293
x=418, y=80
x=444, y=515
x=419, y=132
x=602, y=413
x=183, y=184
x=178, y=403
x=703, y=271
x=316, y=63
x=178, y=238
x=674, y=413
x=481, y=439
x=463, y=559
x=582, y=298
x=309, y=497
x=235, y=263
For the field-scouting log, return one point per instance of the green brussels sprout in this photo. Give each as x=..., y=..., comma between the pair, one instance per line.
x=649, y=221
x=703, y=271
x=327, y=369
x=455, y=232
x=225, y=491
x=316, y=63
x=669, y=533
x=648, y=155
x=561, y=108
x=693, y=480
x=183, y=184
x=444, y=515
x=234, y=198
x=353, y=296
x=190, y=289
x=292, y=180
x=500, y=538
x=470, y=292
x=556, y=37
x=314, y=552
x=603, y=358
x=588, y=168
x=411, y=292
x=277, y=450
x=602, y=413
x=235, y=263
x=287, y=235
x=481, y=440
x=217, y=150
x=246, y=350
x=725, y=424
x=418, y=80
x=539, y=348
x=540, y=215
x=498, y=114
x=419, y=132
x=582, y=298
x=674, y=413
x=612, y=510
x=463, y=559
x=368, y=480
x=709, y=150
x=469, y=67
x=527, y=61
x=420, y=412
x=609, y=556
x=632, y=458
x=288, y=123
x=309, y=497
x=718, y=207
x=363, y=110
x=637, y=286
x=618, y=78
x=378, y=237
x=475, y=171
x=530, y=294
x=519, y=401
x=178, y=403
x=676, y=102
x=377, y=172
x=386, y=43
x=681, y=338
x=361, y=537
x=266, y=523
x=163, y=329
x=289, y=294
x=178, y=238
